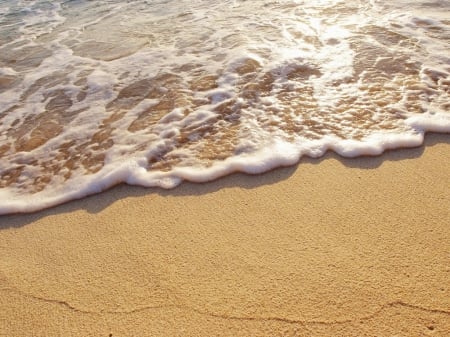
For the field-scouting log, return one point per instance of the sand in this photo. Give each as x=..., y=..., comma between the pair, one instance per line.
x=330, y=247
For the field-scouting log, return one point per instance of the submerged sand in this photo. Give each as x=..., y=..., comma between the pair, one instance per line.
x=331, y=247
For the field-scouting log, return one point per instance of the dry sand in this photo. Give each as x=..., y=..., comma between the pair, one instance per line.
x=332, y=247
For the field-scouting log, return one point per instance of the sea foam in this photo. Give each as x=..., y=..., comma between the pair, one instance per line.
x=152, y=93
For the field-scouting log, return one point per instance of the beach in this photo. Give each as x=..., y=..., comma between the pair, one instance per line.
x=184, y=168
x=329, y=247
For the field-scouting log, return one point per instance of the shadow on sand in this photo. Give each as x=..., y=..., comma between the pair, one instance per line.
x=93, y=204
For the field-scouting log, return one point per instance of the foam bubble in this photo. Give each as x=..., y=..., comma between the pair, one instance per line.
x=153, y=93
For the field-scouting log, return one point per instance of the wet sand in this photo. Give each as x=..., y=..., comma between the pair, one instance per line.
x=331, y=247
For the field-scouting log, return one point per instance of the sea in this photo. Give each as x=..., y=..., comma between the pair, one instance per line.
x=156, y=92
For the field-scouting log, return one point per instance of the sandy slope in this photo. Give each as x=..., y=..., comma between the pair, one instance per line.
x=331, y=247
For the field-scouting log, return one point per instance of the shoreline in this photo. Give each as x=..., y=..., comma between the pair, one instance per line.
x=328, y=247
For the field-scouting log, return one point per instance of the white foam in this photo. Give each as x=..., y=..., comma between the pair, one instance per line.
x=437, y=122
x=149, y=39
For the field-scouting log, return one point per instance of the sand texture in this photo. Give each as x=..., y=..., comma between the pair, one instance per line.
x=331, y=247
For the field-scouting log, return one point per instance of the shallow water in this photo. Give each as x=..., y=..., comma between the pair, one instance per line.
x=94, y=93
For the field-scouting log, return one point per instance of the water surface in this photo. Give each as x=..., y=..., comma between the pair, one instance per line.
x=94, y=93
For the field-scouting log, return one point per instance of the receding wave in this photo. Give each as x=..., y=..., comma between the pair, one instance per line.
x=93, y=94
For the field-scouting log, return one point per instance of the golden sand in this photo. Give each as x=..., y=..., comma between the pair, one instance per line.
x=331, y=247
